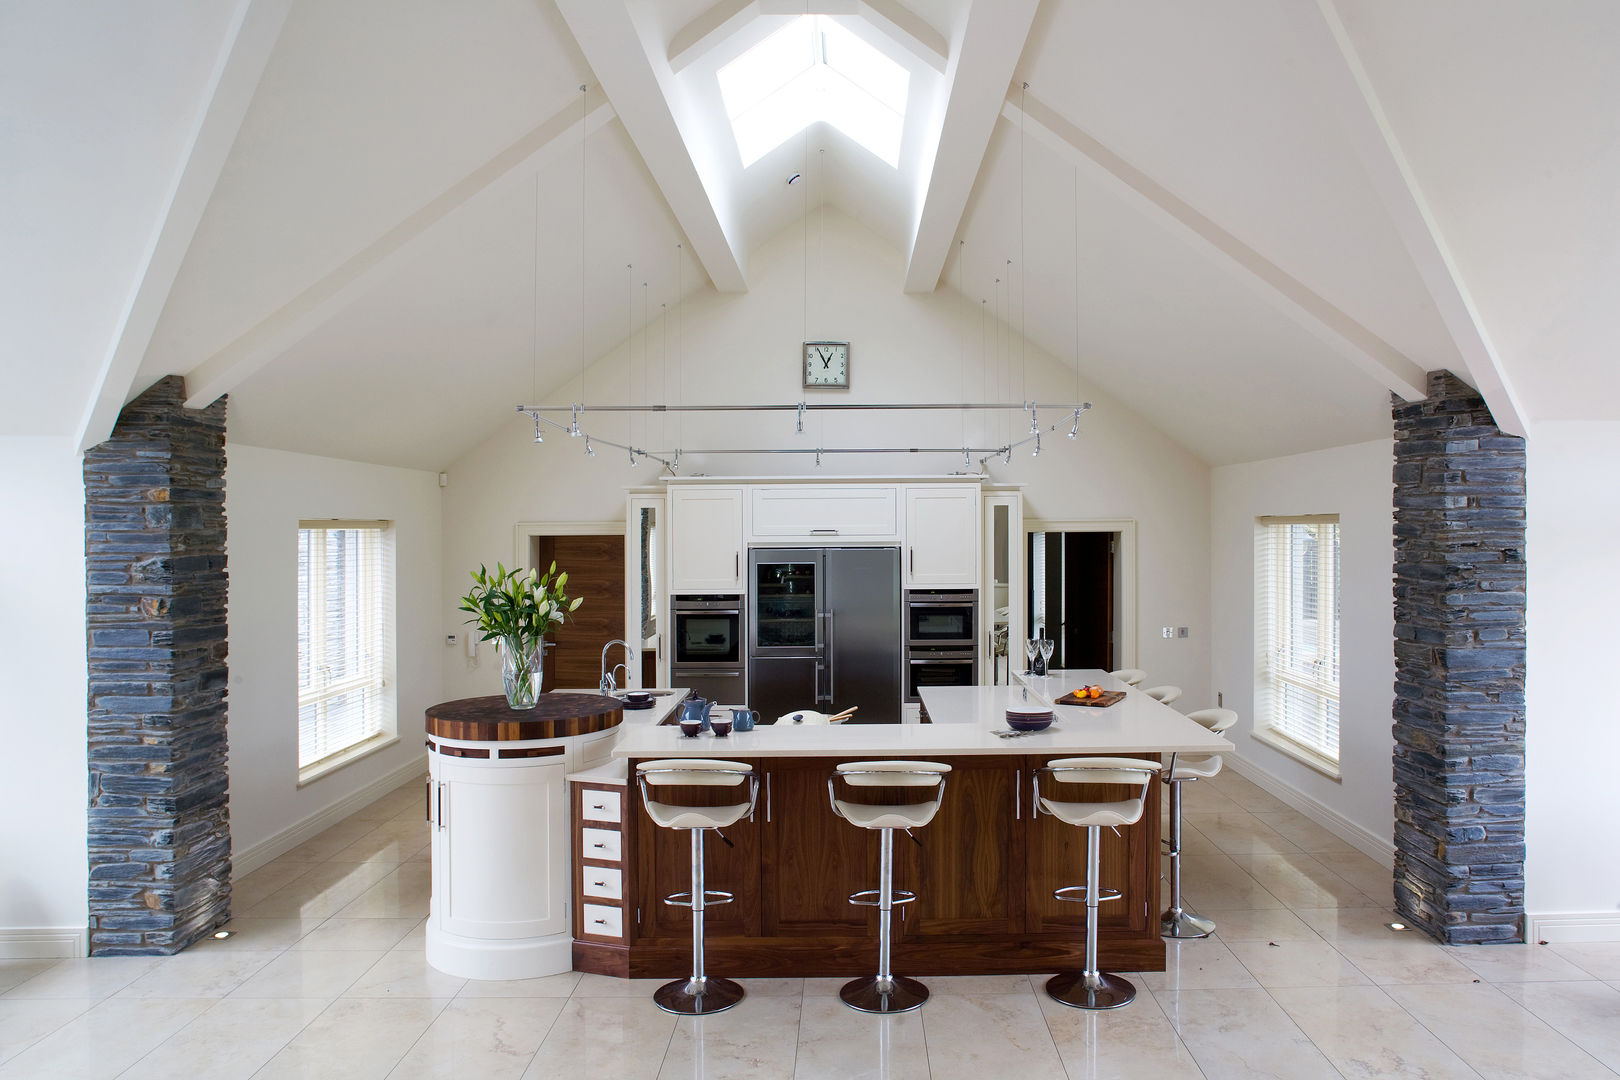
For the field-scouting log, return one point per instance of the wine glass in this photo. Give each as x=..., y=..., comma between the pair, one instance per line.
x=1031, y=647
x=1046, y=647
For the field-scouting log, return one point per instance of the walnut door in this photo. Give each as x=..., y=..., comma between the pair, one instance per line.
x=1057, y=858
x=812, y=858
x=663, y=860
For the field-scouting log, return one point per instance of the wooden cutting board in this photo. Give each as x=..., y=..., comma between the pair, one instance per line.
x=1108, y=698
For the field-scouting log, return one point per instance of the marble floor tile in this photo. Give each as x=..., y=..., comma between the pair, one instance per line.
x=198, y=974
x=1354, y=924
x=757, y=1040
x=1239, y=832
x=324, y=845
x=321, y=892
x=1494, y=1034
x=104, y=1040
x=549, y=986
x=416, y=937
x=838, y=1043
x=16, y=972
x=1247, y=794
x=1365, y=1032
x=490, y=1039
x=773, y=987
x=1302, y=832
x=1194, y=842
x=250, y=889
x=24, y=1021
x=1197, y=964
x=1198, y=797
x=379, y=847
x=294, y=974
x=354, y=1039
x=623, y=1038
x=1415, y=960
x=1586, y=1013
x=1259, y=924
x=1241, y=1034
x=1517, y=963
x=405, y=892
x=1215, y=881
x=1370, y=877
x=342, y=932
x=84, y=977
x=1297, y=963
x=1298, y=880
x=994, y=1035
x=257, y=935
x=604, y=986
x=1600, y=959
x=231, y=1040
x=405, y=974
x=1136, y=1040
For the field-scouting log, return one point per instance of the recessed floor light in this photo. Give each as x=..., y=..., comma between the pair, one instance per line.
x=1397, y=926
x=222, y=934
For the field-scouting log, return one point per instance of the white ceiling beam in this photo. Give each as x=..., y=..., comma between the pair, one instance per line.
x=708, y=30
x=908, y=29
x=292, y=322
x=248, y=42
x=1331, y=58
x=620, y=57
x=982, y=62
x=1371, y=353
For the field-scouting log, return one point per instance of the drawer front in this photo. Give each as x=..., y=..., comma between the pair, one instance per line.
x=600, y=844
x=807, y=511
x=602, y=881
x=599, y=920
x=600, y=805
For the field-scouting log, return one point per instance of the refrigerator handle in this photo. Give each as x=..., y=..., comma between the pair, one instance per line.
x=832, y=662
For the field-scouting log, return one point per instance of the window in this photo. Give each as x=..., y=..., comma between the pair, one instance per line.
x=814, y=69
x=345, y=641
x=1297, y=655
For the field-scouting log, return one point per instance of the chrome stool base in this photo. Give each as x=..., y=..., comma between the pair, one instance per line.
x=1185, y=925
x=1097, y=991
x=698, y=997
x=868, y=995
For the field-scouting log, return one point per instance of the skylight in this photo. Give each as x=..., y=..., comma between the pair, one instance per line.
x=814, y=69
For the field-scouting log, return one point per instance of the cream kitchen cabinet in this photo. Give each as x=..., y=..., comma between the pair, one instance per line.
x=824, y=513
x=706, y=553
x=943, y=531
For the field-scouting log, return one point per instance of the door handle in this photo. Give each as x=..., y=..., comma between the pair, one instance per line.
x=736, y=564
x=1018, y=796
x=767, y=798
x=913, y=555
x=832, y=662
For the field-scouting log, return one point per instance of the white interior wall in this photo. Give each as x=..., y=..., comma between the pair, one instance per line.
x=746, y=348
x=1353, y=482
x=1572, y=867
x=267, y=493
x=43, y=910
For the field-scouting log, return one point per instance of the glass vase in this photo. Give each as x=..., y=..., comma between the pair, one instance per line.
x=521, y=670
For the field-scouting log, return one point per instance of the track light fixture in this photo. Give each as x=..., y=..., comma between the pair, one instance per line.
x=589, y=450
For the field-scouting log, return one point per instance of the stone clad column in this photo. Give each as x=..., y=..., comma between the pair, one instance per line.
x=159, y=828
x=1459, y=667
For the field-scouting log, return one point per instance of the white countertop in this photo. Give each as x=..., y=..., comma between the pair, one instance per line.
x=963, y=719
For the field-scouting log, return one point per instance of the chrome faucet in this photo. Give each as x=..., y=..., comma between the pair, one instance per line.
x=608, y=685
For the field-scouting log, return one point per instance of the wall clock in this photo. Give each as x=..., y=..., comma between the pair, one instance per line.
x=826, y=364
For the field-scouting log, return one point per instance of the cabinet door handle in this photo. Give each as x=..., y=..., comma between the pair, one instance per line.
x=823, y=532
x=913, y=554
x=767, y=797
x=600, y=884
x=1018, y=796
x=598, y=806
x=736, y=564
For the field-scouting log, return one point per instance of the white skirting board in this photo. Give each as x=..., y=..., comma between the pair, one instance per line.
x=250, y=859
x=1381, y=849
x=1557, y=927
x=44, y=942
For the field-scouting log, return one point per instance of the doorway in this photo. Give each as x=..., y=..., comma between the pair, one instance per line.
x=595, y=566
x=1079, y=592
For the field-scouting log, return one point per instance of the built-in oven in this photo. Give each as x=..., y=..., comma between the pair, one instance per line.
x=942, y=619
x=709, y=654
x=928, y=668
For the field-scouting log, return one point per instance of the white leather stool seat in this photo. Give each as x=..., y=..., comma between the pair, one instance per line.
x=1164, y=695
x=867, y=816
x=1124, y=812
x=1193, y=767
x=1098, y=770
x=1131, y=675
x=890, y=774
x=1216, y=720
x=695, y=772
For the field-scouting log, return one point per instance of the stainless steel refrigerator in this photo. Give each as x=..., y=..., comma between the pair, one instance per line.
x=825, y=631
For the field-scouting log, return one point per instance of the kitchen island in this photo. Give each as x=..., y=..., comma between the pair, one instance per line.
x=984, y=871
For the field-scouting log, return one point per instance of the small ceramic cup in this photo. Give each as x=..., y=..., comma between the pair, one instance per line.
x=690, y=728
x=721, y=728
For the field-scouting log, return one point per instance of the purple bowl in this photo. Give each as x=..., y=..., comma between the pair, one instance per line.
x=1029, y=721
x=721, y=728
x=690, y=728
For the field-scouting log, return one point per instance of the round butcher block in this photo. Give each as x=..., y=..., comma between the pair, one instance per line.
x=554, y=716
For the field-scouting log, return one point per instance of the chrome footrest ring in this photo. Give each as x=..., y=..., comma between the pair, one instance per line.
x=901, y=896
x=1076, y=894
x=711, y=898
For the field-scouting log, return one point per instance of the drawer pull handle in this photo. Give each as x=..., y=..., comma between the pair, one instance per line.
x=599, y=845
x=597, y=806
x=601, y=922
x=599, y=884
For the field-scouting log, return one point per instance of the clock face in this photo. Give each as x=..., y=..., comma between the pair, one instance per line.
x=826, y=363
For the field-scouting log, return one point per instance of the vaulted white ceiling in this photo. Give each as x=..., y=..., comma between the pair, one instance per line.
x=1250, y=221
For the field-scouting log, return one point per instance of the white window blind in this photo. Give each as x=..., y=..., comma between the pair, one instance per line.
x=345, y=636
x=1297, y=620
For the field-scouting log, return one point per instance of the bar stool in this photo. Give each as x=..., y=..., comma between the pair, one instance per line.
x=1177, y=921
x=1164, y=695
x=886, y=992
x=1093, y=989
x=700, y=994
x=1131, y=676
